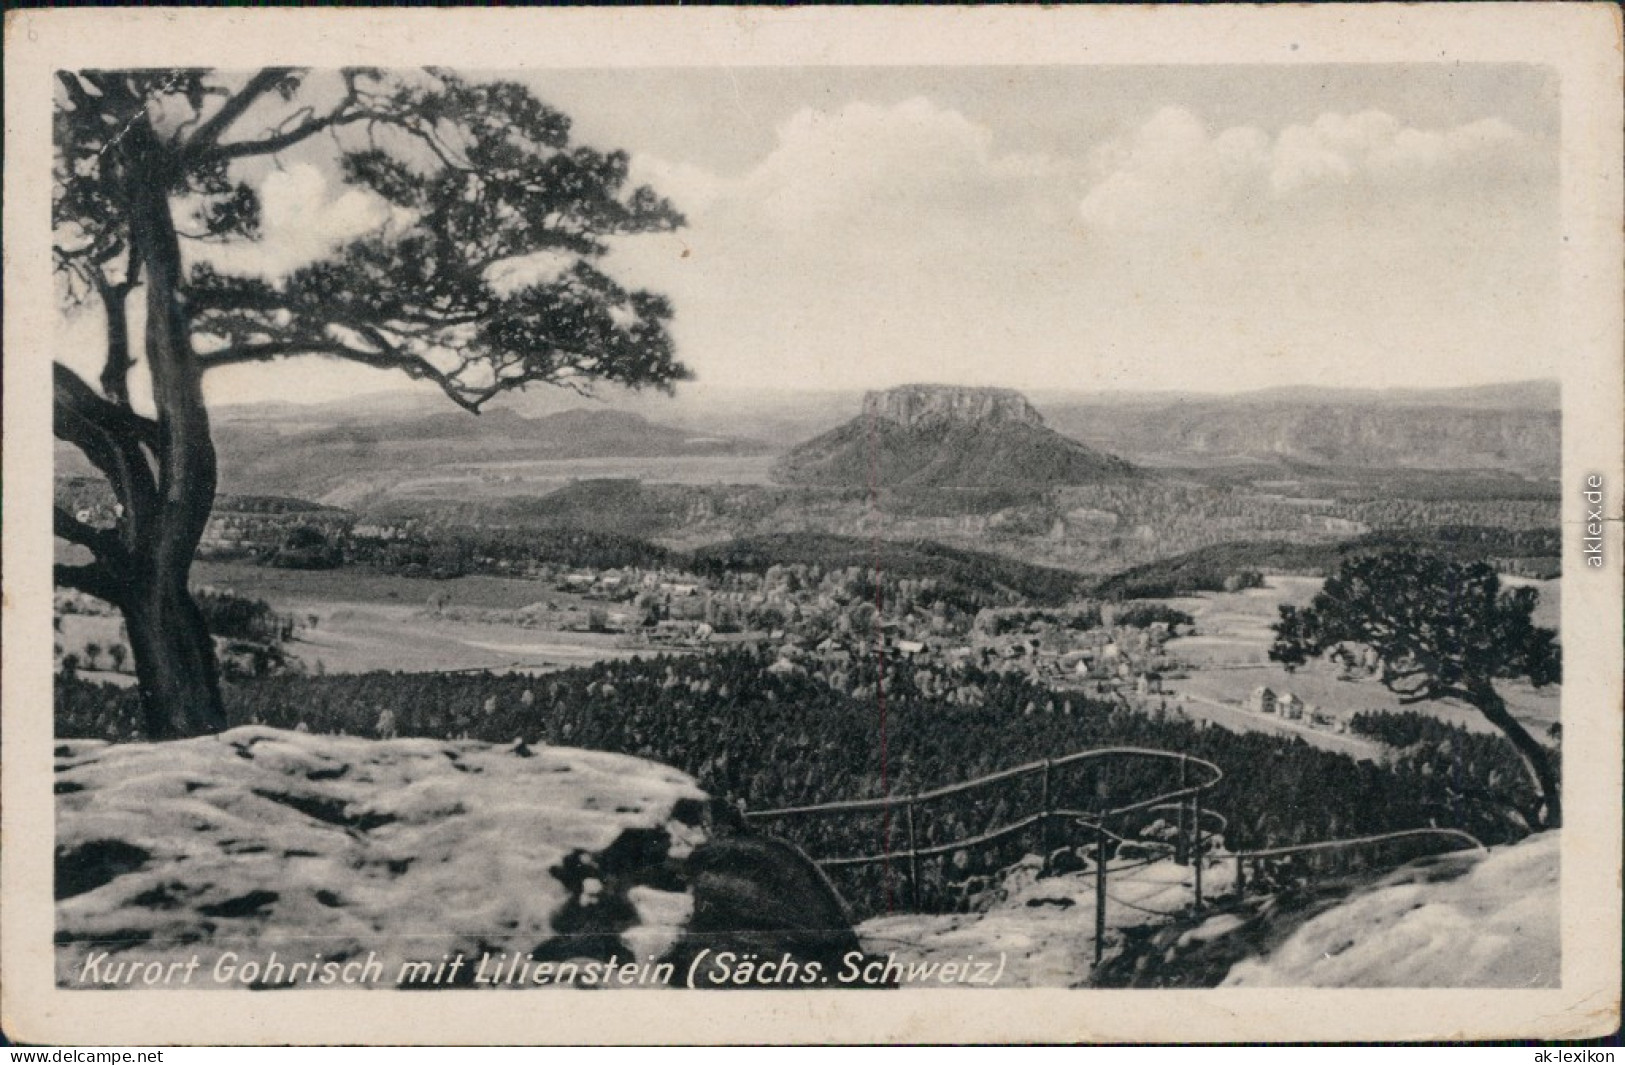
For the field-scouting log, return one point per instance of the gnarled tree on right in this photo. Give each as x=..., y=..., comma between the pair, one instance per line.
x=1440, y=630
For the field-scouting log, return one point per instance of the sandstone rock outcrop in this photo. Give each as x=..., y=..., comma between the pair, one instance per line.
x=923, y=405
x=261, y=845
x=940, y=436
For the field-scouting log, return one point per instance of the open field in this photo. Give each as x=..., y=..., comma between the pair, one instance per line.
x=1238, y=719
x=1229, y=656
x=284, y=587
x=79, y=631
x=366, y=621
x=355, y=638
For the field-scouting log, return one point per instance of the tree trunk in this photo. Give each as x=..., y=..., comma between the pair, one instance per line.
x=1537, y=759
x=175, y=662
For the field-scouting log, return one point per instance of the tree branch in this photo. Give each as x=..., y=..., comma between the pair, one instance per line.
x=116, y=368
x=277, y=142
x=76, y=92
x=92, y=579
x=112, y=438
x=274, y=349
x=81, y=401
x=104, y=543
x=208, y=134
x=470, y=399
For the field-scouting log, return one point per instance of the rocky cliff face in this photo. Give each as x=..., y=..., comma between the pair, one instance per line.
x=922, y=405
x=1346, y=434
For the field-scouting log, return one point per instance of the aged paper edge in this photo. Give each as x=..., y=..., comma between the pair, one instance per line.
x=1581, y=41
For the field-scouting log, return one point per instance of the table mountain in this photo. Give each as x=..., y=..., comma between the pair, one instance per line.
x=942, y=436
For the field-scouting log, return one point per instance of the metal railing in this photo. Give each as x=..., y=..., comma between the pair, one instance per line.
x=1195, y=776
x=1257, y=858
x=1183, y=800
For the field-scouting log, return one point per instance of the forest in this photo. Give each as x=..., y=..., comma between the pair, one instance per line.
x=1233, y=565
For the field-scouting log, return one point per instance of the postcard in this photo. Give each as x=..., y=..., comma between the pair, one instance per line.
x=1083, y=524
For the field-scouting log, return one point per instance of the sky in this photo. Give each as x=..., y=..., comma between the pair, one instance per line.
x=1092, y=228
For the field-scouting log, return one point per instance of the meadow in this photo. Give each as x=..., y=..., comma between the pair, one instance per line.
x=355, y=621
x=1229, y=659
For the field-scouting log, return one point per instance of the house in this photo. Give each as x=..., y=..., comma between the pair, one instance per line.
x=1149, y=684
x=1290, y=706
x=1262, y=701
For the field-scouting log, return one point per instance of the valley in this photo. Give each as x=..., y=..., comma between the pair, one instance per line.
x=518, y=542
x=1040, y=594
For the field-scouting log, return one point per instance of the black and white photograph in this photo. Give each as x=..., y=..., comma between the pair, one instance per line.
x=804, y=526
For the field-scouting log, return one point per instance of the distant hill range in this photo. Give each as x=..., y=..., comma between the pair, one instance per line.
x=286, y=450
x=1509, y=427
x=1506, y=425
x=916, y=439
x=578, y=433
x=943, y=436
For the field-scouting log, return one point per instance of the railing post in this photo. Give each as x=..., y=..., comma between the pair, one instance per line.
x=1100, y=887
x=1241, y=876
x=1196, y=857
x=1182, y=842
x=1045, y=804
x=913, y=858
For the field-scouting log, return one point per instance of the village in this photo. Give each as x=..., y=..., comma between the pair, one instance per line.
x=823, y=622
x=820, y=621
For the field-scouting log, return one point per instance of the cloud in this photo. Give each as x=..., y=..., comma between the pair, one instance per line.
x=867, y=160
x=908, y=166
x=873, y=243
x=304, y=216
x=690, y=188
x=1172, y=170
x=868, y=228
